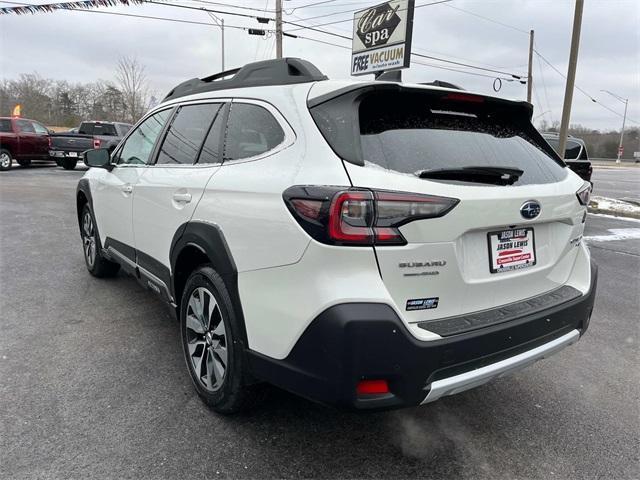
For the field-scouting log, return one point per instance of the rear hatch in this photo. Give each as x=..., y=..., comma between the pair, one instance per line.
x=511, y=236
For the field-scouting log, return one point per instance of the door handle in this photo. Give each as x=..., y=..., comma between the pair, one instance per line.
x=127, y=188
x=182, y=197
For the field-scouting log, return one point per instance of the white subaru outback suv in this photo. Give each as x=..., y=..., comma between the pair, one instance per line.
x=363, y=244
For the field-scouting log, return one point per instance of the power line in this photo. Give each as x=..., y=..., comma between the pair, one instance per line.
x=585, y=93
x=506, y=25
x=203, y=9
x=309, y=5
x=508, y=79
x=148, y=17
x=208, y=2
x=355, y=10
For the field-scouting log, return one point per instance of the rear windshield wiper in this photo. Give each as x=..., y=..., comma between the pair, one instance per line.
x=490, y=175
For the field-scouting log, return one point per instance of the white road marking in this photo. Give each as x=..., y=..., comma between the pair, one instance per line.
x=616, y=234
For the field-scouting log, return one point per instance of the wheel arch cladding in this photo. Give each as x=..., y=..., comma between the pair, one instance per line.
x=83, y=196
x=199, y=243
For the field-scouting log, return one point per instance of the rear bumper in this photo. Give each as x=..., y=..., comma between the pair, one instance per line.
x=351, y=342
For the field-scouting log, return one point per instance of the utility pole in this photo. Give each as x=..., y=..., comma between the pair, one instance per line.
x=530, y=71
x=571, y=76
x=278, y=28
x=624, y=119
x=220, y=23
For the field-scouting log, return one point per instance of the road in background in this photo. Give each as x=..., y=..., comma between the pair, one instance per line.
x=617, y=182
x=93, y=383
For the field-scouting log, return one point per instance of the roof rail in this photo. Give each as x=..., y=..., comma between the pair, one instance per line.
x=282, y=71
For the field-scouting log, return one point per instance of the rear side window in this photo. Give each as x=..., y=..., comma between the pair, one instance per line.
x=408, y=132
x=251, y=131
x=5, y=125
x=187, y=132
x=105, y=129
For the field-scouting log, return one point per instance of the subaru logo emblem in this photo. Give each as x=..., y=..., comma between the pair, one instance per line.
x=530, y=209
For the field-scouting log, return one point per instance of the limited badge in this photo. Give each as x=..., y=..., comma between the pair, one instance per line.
x=422, y=303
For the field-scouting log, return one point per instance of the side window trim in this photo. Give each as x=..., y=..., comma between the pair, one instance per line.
x=176, y=108
x=223, y=113
x=115, y=156
x=289, y=134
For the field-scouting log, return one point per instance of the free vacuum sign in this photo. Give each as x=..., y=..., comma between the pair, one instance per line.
x=382, y=37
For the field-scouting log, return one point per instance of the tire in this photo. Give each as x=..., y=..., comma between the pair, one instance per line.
x=214, y=356
x=5, y=160
x=24, y=163
x=68, y=164
x=97, y=265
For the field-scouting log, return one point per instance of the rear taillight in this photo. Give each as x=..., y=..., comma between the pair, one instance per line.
x=351, y=216
x=96, y=143
x=49, y=142
x=584, y=193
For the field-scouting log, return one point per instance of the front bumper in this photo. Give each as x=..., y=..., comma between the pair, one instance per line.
x=356, y=341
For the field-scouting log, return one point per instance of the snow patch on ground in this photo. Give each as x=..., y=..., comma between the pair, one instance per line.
x=616, y=234
x=613, y=206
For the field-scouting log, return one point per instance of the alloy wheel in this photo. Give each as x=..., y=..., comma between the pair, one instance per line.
x=5, y=160
x=89, y=239
x=206, y=338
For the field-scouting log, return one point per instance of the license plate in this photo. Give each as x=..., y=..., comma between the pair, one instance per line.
x=511, y=250
x=72, y=154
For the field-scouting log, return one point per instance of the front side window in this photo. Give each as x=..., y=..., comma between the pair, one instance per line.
x=5, y=125
x=251, y=131
x=186, y=134
x=25, y=126
x=138, y=147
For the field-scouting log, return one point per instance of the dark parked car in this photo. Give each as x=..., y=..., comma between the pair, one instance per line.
x=67, y=148
x=22, y=140
x=575, y=154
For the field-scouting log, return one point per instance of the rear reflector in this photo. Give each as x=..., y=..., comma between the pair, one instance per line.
x=372, y=387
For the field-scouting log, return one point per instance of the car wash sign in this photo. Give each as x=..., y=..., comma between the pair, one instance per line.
x=382, y=37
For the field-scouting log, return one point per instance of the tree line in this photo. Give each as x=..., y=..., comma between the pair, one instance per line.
x=600, y=144
x=124, y=98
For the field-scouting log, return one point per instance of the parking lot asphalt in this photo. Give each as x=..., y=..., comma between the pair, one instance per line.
x=93, y=382
x=622, y=183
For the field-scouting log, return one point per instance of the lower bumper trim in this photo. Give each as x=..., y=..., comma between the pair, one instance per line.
x=465, y=381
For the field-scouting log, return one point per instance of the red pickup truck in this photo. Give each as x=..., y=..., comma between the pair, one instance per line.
x=22, y=140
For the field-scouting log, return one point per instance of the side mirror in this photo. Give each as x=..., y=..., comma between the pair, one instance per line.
x=98, y=158
x=50, y=132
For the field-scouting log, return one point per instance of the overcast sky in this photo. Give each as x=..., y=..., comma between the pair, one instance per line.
x=82, y=46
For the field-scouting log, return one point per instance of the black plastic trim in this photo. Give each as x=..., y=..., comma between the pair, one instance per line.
x=284, y=71
x=466, y=323
x=354, y=341
x=209, y=239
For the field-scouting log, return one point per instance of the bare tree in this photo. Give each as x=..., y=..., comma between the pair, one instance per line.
x=132, y=82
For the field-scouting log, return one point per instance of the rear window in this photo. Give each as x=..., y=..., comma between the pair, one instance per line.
x=105, y=129
x=5, y=125
x=407, y=132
